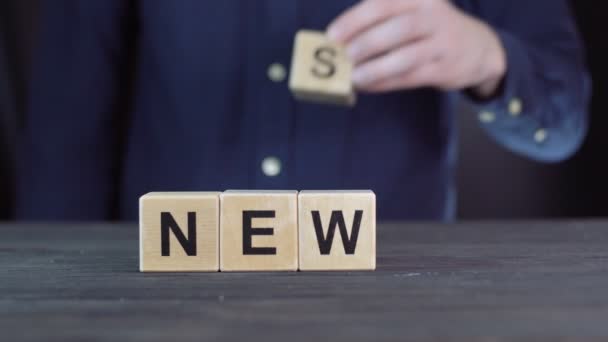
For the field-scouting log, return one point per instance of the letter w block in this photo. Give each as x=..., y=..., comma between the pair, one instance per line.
x=337, y=230
x=320, y=70
x=179, y=232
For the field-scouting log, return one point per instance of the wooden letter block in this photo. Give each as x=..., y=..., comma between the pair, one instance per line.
x=320, y=70
x=179, y=232
x=337, y=230
x=259, y=231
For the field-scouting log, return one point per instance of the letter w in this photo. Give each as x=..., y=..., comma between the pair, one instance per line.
x=337, y=218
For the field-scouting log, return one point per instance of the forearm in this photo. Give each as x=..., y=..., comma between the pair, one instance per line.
x=541, y=109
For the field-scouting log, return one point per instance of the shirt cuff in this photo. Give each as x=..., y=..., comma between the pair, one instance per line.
x=513, y=106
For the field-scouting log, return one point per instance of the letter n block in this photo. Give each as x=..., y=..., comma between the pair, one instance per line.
x=320, y=70
x=179, y=232
x=259, y=231
x=337, y=230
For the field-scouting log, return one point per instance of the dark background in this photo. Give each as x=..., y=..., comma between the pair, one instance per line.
x=496, y=184
x=493, y=183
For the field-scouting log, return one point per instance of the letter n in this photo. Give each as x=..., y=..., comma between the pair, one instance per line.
x=167, y=223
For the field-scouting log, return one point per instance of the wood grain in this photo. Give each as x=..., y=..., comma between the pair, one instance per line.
x=319, y=75
x=205, y=207
x=485, y=281
x=336, y=251
x=282, y=228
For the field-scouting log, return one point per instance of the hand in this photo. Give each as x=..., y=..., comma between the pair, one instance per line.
x=404, y=44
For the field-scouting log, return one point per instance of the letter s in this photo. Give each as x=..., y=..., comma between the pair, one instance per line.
x=324, y=55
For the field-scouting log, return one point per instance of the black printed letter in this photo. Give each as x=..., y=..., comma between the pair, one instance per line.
x=337, y=218
x=167, y=222
x=325, y=55
x=248, y=232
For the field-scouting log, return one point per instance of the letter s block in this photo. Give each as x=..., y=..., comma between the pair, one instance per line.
x=337, y=230
x=179, y=232
x=320, y=70
x=259, y=231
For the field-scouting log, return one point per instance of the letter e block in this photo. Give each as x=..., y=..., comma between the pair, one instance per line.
x=179, y=232
x=320, y=70
x=337, y=230
x=259, y=231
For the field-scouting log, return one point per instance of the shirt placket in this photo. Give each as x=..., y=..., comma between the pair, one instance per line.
x=270, y=39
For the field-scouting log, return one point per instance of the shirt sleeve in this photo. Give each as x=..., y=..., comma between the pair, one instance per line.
x=541, y=109
x=68, y=167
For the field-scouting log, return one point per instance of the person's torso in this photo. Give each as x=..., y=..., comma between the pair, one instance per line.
x=206, y=115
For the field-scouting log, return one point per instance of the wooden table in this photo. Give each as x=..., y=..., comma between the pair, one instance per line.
x=530, y=280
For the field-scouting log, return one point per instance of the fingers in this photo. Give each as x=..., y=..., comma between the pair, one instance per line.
x=375, y=73
x=386, y=36
x=400, y=44
x=364, y=15
x=425, y=75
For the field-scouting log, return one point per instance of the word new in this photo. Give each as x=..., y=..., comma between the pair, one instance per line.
x=257, y=231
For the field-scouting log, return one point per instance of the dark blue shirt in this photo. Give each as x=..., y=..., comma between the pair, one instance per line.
x=129, y=97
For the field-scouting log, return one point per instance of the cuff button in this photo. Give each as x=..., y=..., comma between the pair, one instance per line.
x=541, y=136
x=515, y=107
x=487, y=117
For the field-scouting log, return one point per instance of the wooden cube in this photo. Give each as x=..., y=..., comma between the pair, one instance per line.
x=179, y=232
x=320, y=70
x=259, y=231
x=337, y=230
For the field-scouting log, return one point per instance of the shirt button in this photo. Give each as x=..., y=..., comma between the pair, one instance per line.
x=487, y=117
x=541, y=136
x=271, y=166
x=515, y=107
x=277, y=72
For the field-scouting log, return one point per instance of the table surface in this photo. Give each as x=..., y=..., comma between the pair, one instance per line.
x=479, y=281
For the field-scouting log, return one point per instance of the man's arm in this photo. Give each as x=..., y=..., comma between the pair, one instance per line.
x=541, y=109
x=522, y=63
x=69, y=162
